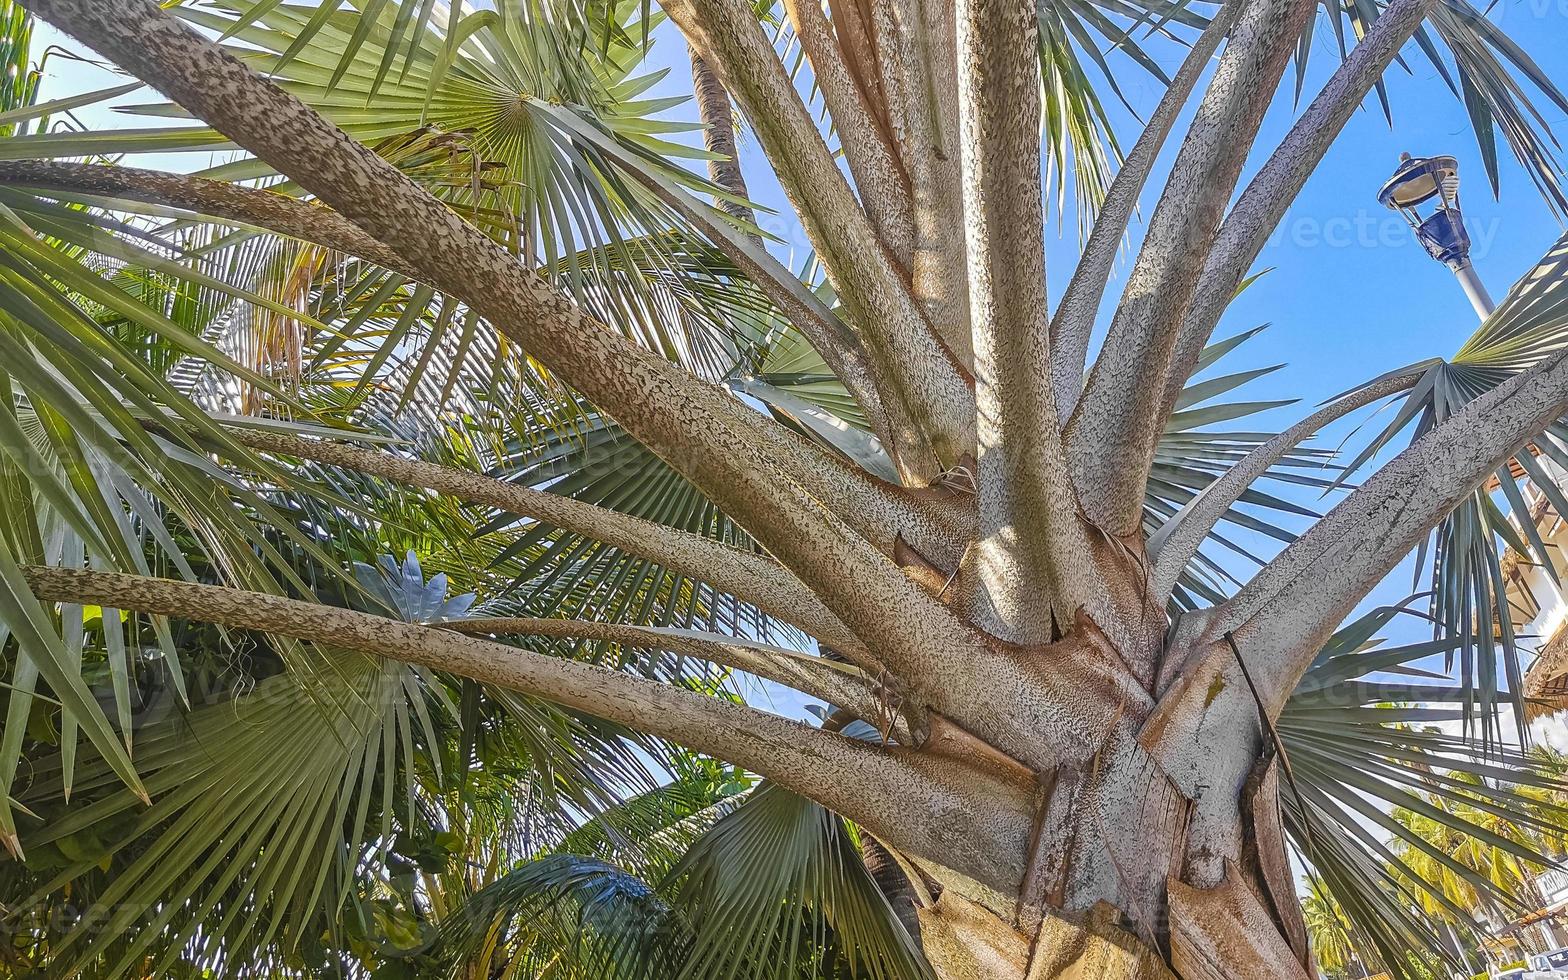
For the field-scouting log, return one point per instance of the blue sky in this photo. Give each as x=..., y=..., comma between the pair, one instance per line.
x=1350, y=294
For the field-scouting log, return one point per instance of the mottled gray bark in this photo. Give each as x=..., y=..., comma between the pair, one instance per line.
x=1030, y=572
x=1205, y=733
x=917, y=67
x=1073, y=322
x=830, y=336
x=1112, y=434
x=1285, y=612
x=1047, y=769
x=1267, y=197
x=928, y=403
x=837, y=684
x=320, y=225
x=879, y=507
x=733, y=455
x=746, y=575
x=880, y=181
x=215, y=198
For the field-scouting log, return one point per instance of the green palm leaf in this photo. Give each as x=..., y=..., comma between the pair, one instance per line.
x=1495, y=80
x=271, y=807
x=1466, y=605
x=768, y=885
x=1369, y=775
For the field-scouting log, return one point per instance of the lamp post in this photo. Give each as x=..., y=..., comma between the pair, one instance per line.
x=1426, y=191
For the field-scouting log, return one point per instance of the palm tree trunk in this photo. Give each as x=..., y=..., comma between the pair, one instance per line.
x=963, y=941
x=718, y=135
x=1108, y=890
x=1216, y=935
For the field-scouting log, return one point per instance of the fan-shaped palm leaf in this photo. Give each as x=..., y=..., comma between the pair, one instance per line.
x=1466, y=605
x=267, y=805
x=1369, y=772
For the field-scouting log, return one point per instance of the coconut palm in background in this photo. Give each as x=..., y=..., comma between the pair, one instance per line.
x=1328, y=932
x=455, y=293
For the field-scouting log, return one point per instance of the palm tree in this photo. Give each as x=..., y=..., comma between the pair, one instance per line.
x=454, y=293
x=1329, y=933
x=1481, y=873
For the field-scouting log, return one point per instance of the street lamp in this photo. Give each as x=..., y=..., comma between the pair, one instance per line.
x=1426, y=191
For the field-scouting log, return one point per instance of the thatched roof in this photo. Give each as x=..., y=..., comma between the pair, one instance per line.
x=1546, y=682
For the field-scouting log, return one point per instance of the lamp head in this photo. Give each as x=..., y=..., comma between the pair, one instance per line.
x=1426, y=191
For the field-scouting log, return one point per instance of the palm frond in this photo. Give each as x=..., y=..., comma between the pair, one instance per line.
x=780, y=882
x=577, y=916
x=270, y=807
x=767, y=884
x=1372, y=775
x=1467, y=604
x=1494, y=79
